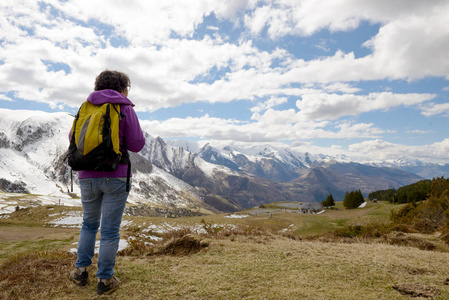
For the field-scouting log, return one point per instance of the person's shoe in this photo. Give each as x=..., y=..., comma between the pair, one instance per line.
x=80, y=276
x=107, y=286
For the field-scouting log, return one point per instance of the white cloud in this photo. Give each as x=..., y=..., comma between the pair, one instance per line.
x=413, y=47
x=435, y=109
x=383, y=151
x=271, y=126
x=270, y=103
x=157, y=63
x=341, y=87
x=214, y=28
x=168, y=67
x=334, y=106
x=411, y=42
x=418, y=131
x=258, y=20
x=4, y=98
x=292, y=17
x=150, y=22
x=359, y=130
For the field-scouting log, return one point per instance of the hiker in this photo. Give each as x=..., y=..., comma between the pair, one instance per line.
x=104, y=193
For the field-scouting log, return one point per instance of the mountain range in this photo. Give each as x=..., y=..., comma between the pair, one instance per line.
x=181, y=174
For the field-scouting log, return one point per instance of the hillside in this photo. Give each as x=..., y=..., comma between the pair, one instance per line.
x=236, y=256
x=338, y=178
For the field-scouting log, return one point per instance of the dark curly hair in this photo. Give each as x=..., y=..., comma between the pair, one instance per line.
x=112, y=80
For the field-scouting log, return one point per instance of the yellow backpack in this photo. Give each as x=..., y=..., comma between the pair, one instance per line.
x=95, y=143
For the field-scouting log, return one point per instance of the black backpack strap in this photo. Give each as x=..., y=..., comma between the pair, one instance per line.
x=128, y=177
x=125, y=157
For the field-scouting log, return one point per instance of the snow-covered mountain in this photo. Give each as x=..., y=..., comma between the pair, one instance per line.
x=293, y=175
x=220, y=186
x=183, y=174
x=278, y=164
x=33, y=146
x=425, y=170
x=30, y=146
x=285, y=164
x=32, y=150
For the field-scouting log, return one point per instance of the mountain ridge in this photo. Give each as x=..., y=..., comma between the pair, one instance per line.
x=33, y=146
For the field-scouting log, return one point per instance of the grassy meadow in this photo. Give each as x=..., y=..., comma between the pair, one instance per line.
x=278, y=256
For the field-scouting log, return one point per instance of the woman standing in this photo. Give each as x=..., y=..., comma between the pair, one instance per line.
x=104, y=194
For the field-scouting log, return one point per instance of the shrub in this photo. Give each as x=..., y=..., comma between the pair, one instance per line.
x=405, y=228
x=348, y=231
x=404, y=214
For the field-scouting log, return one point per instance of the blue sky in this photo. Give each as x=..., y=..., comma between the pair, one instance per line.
x=368, y=80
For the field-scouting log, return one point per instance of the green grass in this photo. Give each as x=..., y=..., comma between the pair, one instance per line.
x=25, y=238
x=316, y=224
x=31, y=245
x=313, y=225
x=276, y=205
x=38, y=216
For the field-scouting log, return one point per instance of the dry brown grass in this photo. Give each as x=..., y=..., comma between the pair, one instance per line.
x=175, y=245
x=247, y=267
x=185, y=245
x=184, y=240
x=403, y=239
x=35, y=275
x=252, y=259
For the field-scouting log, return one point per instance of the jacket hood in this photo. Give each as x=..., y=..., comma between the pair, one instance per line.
x=108, y=96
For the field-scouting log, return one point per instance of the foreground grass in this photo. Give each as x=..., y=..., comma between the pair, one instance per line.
x=285, y=269
x=270, y=261
x=262, y=267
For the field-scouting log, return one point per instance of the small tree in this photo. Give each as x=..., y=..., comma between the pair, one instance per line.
x=329, y=201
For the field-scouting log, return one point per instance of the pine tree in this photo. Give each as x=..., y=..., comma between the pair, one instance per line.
x=353, y=199
x=329, y=201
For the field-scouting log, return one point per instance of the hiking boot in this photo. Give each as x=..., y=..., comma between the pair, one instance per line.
x=79, y=276
x=107, y=286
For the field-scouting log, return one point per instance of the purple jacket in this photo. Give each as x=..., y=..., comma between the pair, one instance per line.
x=129, y=127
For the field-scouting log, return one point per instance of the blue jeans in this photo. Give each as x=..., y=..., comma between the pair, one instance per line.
x=103, y=199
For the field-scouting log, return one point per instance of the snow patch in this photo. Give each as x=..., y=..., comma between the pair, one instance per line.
x=289, y=228
x=122, y=244
x=234, y=216
x=73, y=219
x=7, y=209
x=9, y=201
